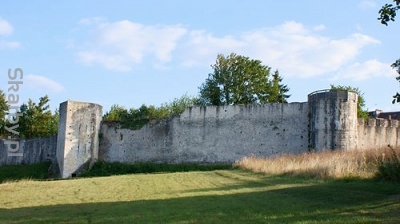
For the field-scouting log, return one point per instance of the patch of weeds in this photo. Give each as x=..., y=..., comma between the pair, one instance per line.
x=389, y=167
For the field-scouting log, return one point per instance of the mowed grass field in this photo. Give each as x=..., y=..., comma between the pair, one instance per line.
x=221, y=196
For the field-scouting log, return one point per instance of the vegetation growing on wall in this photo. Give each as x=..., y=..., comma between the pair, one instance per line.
x=361, y=111
x=136, y=118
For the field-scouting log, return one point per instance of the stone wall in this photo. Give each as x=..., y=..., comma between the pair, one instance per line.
x=208, y=134
x=378, y=133
x=33, y=151
x=211, y=134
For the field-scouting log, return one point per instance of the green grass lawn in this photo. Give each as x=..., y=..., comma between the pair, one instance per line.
x=224, y=196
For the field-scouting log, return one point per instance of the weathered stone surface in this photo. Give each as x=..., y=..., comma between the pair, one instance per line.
x=208, y=134
x=211, y=134
x=78, y=136
x=33, y=151
x=333, y=120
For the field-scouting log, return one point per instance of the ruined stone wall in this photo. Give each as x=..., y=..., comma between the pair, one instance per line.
x=33, y=151
x=78, y=134
x=211, y=134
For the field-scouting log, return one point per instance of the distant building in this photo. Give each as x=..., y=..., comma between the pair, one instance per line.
x=385, y=115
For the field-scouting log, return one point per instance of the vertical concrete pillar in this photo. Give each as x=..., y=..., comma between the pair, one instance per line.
x=333, y=120
x=78, y=136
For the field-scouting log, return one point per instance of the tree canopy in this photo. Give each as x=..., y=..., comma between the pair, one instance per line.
x=388, y=12
x=238, y=79
x=37, y=120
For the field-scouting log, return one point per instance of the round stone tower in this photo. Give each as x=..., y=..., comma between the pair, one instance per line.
x=332, y=120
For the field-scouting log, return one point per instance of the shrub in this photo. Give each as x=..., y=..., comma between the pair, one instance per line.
x=389, y=167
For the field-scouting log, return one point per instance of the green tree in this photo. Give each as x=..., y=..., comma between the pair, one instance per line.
x=361, y=111
x=116, y=113
x=278, y=91
x=37, y=120
x=240, y=80
x=179, y=105
x=3, y=111
x=387, y=14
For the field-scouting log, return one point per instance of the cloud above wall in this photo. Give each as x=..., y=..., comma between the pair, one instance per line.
x=42, y=83
x=120, y=45
x=366, y=70
x=293, y=48
x=7, y=29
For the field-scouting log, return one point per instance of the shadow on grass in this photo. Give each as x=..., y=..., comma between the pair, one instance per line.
x=323, y=202
x=116, y=168
x=38, y=171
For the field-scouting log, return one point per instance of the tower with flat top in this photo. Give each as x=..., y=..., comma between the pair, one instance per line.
x=333, y=120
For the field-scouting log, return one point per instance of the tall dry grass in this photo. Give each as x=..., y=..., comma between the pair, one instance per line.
x=326, y=164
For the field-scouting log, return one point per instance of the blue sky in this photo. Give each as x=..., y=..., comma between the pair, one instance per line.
x=135, y=52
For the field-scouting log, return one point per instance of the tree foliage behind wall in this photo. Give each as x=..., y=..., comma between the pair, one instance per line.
x=361, y=111
x=137, y=118
x=3, y=110
x=240, y=80
x=36, y=120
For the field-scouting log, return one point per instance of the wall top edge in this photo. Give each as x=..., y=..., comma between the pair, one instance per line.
x=379, y=122
x=79, y=102
x=332, y=94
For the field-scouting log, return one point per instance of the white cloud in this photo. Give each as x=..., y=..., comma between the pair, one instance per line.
x=9, y=44
x=5, y=27
x=294, y=49
x=368, y=4
x=121, y=45
x=366, y=70
x=291, y=47
x=43, y=83
x=319, y=27
x=202, y=47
